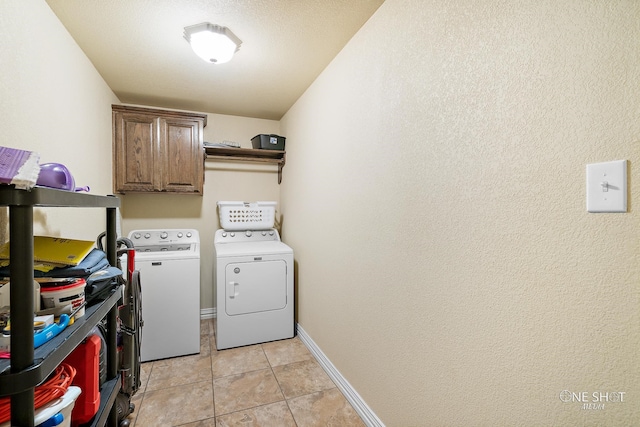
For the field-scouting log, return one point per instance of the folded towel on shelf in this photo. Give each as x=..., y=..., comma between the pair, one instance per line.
x=19, y=167
x=94, y=261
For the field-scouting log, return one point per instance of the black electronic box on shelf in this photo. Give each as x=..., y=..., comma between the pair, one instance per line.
x=268, y=142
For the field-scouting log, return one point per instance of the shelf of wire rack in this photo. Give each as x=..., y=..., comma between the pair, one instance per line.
x=28, y=367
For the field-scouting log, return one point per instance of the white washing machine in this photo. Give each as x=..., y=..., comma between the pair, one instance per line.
x=253, y=278
x=169, y=265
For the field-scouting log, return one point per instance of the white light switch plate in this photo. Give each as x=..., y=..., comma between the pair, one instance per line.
x=607, y=186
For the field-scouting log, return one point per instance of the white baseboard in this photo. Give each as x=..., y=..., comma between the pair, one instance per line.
x=207, y=313
x=367, y=415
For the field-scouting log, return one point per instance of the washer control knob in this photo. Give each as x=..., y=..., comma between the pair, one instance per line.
x=264, y=233
x=224, y=234
x=233, y=234
x=147, y=235
x=179, y=235
x=164, y=235
x=248, y=233
x=136, y=235
x=189, y=234
x=270, y=232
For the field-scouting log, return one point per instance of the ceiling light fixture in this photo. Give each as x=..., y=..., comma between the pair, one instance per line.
x=212, y=43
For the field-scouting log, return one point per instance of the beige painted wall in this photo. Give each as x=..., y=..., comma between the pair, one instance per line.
x=434, y=195
x=54, y=102
x=223, y=181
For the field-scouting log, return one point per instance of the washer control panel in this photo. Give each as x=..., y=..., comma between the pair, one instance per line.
x=161, y=240
x=224, y=236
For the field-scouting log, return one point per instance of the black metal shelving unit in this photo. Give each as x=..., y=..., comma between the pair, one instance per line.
x=28, y=367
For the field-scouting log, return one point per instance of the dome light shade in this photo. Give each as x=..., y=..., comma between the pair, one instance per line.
x=212, y=43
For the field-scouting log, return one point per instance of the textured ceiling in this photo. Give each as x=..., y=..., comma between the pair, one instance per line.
x=138, y=48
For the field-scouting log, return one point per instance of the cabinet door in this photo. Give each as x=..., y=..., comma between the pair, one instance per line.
x=181, y=148
x=136, y=149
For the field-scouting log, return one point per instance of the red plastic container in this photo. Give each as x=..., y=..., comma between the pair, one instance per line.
x=86, y=359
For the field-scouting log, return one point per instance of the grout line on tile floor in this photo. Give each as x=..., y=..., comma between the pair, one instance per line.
x=212, y=351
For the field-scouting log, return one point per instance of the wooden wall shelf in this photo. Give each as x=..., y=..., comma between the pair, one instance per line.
x=247, y=155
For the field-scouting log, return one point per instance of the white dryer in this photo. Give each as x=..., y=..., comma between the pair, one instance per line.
x=253, y=278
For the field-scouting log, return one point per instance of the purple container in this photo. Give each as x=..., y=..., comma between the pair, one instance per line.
x=55, y=175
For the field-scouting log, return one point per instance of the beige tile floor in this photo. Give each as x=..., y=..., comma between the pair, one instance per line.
x=276, y=384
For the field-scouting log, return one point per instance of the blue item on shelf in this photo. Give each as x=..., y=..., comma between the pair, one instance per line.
x=56, y=420
x=45, y=335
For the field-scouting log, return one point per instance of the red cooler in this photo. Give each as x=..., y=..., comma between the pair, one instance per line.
x=86, y=359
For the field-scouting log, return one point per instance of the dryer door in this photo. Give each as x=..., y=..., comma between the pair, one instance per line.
x=256, y=286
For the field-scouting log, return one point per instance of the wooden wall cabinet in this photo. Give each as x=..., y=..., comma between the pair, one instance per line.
x=157, y=150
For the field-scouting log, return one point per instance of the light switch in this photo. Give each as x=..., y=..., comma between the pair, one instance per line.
x=607, y=186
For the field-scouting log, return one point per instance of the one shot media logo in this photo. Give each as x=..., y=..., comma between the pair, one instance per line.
x=593, y=400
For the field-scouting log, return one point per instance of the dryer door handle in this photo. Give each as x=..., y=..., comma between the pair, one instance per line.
x=232, y=289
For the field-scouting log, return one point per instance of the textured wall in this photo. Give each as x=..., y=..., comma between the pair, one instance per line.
x=54, y=102
x=435, y=197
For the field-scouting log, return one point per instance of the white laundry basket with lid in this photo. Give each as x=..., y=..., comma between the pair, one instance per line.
x=236, y=216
